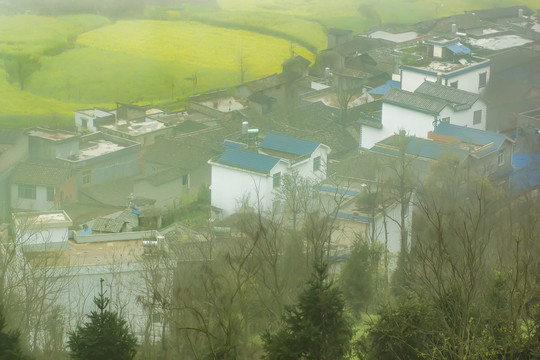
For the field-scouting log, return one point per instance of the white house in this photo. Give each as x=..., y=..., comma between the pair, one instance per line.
x=46, y=230
x=449, y=63
x=419, y=111
x=90, y=119
x=248, y=178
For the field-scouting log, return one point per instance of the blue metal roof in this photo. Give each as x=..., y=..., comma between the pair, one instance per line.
x=381, y=90
x=418, y=147
x=470, y=135
x=234, y=144
x=458, y=49
x=248, y=160
x=288, y=144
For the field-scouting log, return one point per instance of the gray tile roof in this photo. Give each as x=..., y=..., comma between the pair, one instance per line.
x=40, y=174
x=459, y=99
x=419, y=102
x=107, y=225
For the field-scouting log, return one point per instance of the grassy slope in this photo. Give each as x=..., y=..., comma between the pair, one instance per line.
x=144, y=60
x=151, y=61
x=35, y=35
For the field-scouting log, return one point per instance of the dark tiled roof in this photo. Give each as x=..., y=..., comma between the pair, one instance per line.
x=40, y=174
x=165, y=176
x=359, y=44
x=184, y=153
x=107, y=225
x=288, y=144
x=248, y=160
x=459, y=99
x=266, y=83
x=415, y=101
x=114, y=193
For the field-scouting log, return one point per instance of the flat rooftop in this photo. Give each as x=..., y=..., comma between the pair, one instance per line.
x=396, y=38
x=51, y=134
x=499, y=42
x=92, y=149
x=136, y=127
x=49, y=218
x=440, y=66
x=224, y=104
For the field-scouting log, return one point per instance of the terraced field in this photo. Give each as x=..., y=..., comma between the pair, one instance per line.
x=81, y=61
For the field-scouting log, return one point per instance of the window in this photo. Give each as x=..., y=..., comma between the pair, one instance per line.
x=277, y=179
x=27, y=192
x=500, y=159
x=185, y=180
x=477, y=117
x=316, y=163
x=454, y=84
x=445, y=119
x=482, y=80
x=50, y=194
x=87, y=177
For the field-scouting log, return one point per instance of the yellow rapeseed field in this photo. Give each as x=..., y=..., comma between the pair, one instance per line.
x=193, y=44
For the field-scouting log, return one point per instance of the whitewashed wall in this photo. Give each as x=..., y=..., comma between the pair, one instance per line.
x=465, y=117
x=230, y=186
x=40, y=203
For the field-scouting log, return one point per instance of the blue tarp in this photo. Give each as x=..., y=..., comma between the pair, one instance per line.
x=526, y=174
x=383, y=89
x=458, y=49
x=333, y=190
x=86, y=231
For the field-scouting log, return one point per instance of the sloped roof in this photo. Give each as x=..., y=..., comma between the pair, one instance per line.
x=265, y=83
x=107, y=225
x=415, y=101
x=288, y=144
x=383, y=89
x=186, y=153
x=40, y=174
x=417, y=147
x=459, y=99
x=458, y=49
x=163, y=177
x=359, y=44
x=470, y=135
x=248, y=160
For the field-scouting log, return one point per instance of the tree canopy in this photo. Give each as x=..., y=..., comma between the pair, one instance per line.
x=317, y=327
x=105, y=336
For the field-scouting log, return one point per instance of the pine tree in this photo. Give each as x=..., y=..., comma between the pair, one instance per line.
x=105, y=336
x=10, y=347
x=316, y=328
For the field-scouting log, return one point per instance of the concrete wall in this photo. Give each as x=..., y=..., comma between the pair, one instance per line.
x=44, y=239
x=231, y=186
x=124, y=236
x=465, y=117
x=468, y=81
x=411, y=80
x=394, y=119
x=40, y=203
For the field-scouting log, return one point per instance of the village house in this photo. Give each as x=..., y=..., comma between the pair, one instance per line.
x=39, y=231
x=419, y=111
x=13, y=149
x=244, y=178
x=444, y=61
x=479, y=151
x=62, y=164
